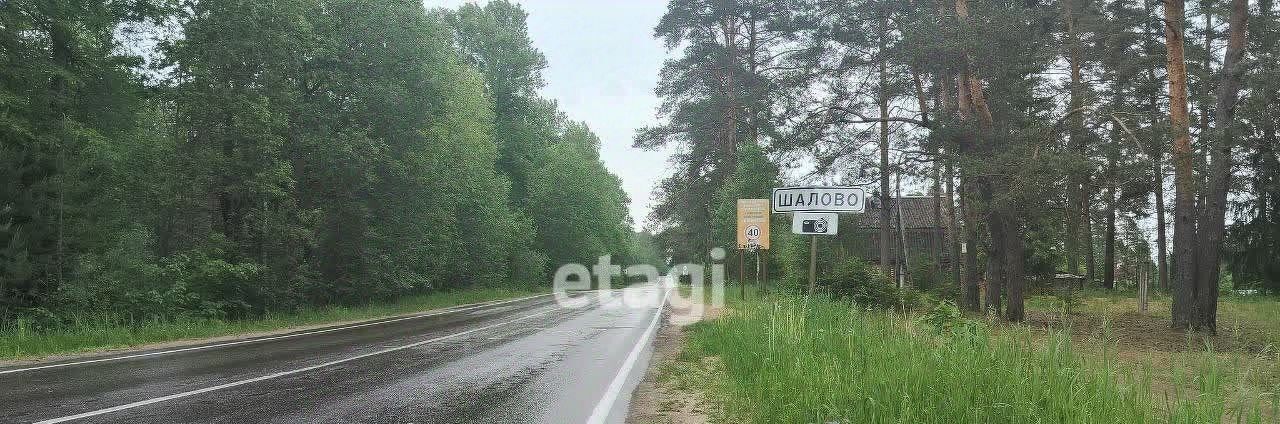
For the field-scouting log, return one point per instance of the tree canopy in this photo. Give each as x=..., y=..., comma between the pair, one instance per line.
x=273, y=155
x=1048, y=129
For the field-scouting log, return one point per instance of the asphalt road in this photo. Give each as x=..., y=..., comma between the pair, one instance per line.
x=530, y=360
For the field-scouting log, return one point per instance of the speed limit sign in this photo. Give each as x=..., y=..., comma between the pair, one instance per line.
x=753, y=223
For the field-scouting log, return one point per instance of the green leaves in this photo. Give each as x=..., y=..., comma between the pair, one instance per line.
x=66, y=95
x=575, y=208
x=578, y=207
x=294, y=153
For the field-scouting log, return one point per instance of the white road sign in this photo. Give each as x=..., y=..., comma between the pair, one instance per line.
x=819, y=199
x=822, y=224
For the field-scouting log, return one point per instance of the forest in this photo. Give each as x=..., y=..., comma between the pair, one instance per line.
x=1087, y=137
x=224, y=159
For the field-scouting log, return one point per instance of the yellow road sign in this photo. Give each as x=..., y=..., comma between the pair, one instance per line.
x=753, y=223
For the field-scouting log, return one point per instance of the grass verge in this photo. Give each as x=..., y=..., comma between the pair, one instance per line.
x=98, y=332
x=792, y=360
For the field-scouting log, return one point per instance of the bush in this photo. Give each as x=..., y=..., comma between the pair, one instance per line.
x=859, y=282
x=122, y=286
x=947, y=319
x=927, y=277
x=207, y=287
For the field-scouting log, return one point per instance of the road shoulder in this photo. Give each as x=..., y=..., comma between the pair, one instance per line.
x=665, y=395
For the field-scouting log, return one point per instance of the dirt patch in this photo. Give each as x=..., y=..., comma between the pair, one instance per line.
x=1136, y=331
x=661, y=399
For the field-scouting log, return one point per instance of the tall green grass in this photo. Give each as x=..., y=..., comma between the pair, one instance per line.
x=819, y=361
x=104, y=331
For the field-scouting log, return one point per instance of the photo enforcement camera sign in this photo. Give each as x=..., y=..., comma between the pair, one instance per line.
x=820, y=224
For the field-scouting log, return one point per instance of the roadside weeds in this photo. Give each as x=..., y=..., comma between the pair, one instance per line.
x=23, y=347
x=675, y=391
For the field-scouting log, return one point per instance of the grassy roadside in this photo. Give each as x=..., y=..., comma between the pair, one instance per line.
x=791, y=360
x=109, y=332
x=1238, y=368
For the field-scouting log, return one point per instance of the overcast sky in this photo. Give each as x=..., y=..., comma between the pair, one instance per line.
x=603, y=64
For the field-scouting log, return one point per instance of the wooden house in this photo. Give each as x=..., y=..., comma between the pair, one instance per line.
x=917, y=220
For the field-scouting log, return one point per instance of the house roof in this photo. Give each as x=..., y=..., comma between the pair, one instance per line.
x=917, y=213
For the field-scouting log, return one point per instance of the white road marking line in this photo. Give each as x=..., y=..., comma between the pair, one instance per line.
x=279, y=374
x=463, y=308
x=602, y=409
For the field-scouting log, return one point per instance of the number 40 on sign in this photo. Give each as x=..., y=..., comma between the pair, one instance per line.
x=753, y=223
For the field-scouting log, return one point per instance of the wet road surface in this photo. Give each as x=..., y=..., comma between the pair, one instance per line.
x=530, y=360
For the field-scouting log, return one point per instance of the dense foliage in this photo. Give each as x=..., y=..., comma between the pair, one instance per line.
x=863, y=284
x=226, y=158
x=1048, y=128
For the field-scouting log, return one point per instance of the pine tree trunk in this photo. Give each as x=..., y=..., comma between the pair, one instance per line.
x=1162, y=249
x=954, y=231
x=1014, y=268
x=937, y=218
x=1183, y=309
x=1086, y=227
x=1075, y=140
x=1206, y=63
x=1212, y=221
x=729, y=29
x=1109, y=245
x=1157, y=164
x=996, y=214
x=971, y=271
x=946, y=108
x=936, y=246
x=968, y=192
x=886, y=236
x=995, y=253
x=1266, y=154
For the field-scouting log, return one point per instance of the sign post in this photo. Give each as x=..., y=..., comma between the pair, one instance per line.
x=814, y=224
x=813, y=263
x=764, y=265
x=815, y=212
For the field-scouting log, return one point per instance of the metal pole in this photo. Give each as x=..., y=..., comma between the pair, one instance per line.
x=764, y=285
x=813, y=263
x=742, y=277
x=757, y=270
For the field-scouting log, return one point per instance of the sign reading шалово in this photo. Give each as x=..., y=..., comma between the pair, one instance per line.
x=813, y=212
x=818, y=199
